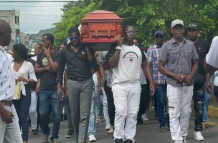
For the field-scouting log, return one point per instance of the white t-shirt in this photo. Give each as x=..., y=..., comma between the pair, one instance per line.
x=212, y=56
x=129, y=65
x=26, y=71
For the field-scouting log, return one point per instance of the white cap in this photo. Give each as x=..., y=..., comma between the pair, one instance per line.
x=177, y=22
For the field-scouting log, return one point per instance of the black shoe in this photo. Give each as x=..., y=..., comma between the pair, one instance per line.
x=128, y=141
x=118, y=140
x=35, y=132
x=163, y=129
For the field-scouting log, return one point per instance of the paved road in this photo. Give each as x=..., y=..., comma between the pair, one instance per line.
x=147, y=133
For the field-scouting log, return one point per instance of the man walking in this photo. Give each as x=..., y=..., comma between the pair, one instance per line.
x=46, y=66
x=79, y=61
x=126, y=62
x=160, y=79
x=182, y=63
x=202, y=48
x=10, y=130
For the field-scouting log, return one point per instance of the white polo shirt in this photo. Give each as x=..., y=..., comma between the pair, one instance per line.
x=212, y=56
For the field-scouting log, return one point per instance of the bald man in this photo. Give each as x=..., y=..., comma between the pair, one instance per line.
x=10, y=131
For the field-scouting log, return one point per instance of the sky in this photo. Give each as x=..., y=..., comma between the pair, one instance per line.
x=35, y=16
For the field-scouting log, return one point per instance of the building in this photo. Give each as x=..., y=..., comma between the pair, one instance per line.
x=12, y=17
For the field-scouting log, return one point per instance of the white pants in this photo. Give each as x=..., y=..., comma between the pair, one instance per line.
x=126, y=101
x=179, y=110
x=10, y=133
x=33, y=110
x=105, y=107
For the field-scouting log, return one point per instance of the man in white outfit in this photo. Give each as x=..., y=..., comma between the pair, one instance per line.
x=9, y=127
x=182, y=63
x=126, y=61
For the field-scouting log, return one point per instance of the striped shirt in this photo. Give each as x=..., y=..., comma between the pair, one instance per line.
x=153, y=55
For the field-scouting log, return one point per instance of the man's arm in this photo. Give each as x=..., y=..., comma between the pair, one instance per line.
x=208, y=68
x=208, y=84
x=114, y=60
x=6, y=115
x=52, y=65
x=102, y=73
x=65, y=83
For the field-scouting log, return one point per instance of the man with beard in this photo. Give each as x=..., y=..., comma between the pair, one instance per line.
x=126, y=61
x=10, y=130
x=182, y=63
x=79, y=60
x=202, y=48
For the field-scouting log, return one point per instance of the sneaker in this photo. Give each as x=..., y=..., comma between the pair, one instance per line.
x=35, y=132
x=108, y=126
x=144, y=117
x=111, y=131
x=55, y=140
x=69, y=134
x=163, y=129
x=198, y=136
x=178, y=141
x=97, y=121
x=92, y=138
x=45, y=138
x=118, y=140
x=128, y=141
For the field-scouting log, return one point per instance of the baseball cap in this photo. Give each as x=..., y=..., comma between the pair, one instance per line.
x=193, y=25
x=177, y=22
x=159, y=32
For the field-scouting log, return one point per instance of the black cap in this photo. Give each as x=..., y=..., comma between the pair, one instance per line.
x=193, y=25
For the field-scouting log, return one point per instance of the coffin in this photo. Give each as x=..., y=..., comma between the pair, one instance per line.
x=99, y=29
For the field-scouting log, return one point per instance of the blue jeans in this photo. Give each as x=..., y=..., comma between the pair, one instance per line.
x=49, y=96
x=92, y=128
x=97, y=102
x=161, y=102
x=206, y=102
x=22, y=107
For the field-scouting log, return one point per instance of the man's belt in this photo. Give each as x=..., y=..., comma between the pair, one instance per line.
x=80, y=79
x=7, y=103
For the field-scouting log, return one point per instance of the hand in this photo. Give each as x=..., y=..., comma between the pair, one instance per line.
x=47, y=68
x=188, y=79
x=22, y=79
x=119, y=41
x=37, y=88
x=46, y=51
x=59, y=92
x=152, y=88
x=208, y=87
x=7, y=116
x=16, y=80
x=180, y=77
x=100, y=90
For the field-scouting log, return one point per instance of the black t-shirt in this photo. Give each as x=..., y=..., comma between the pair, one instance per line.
x=202, y=48
x=47, y=79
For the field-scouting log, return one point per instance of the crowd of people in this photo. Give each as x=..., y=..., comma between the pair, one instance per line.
x=76, y=83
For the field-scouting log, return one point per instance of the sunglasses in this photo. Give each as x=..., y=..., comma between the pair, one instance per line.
x=158, y=36
x=131, y=32
x=74, y=38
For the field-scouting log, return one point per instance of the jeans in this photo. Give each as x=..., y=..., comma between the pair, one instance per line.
x=110, y=100
x=47, y=96
x=216, y=92
x=92, y=128
x=22, y=107
x=161, y=102
x=143, y=101
x=97, y=102
x=80, y=98
x=10, y=133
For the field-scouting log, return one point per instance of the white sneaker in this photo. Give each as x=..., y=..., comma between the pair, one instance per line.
x=111, y=131
x=92, y=138
x=144, y=117
x=198, y=136
x=108, y=126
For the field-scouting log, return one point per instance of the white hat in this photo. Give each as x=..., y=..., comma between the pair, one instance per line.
x=177, y=22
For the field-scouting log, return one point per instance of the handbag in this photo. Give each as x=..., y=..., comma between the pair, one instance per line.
x=17, y=94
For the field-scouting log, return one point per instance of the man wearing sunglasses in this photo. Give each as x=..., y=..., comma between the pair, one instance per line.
x=160, y=79
x=79, y=60
x=126, y=61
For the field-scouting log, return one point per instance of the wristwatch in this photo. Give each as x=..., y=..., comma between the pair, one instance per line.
x=118, y=48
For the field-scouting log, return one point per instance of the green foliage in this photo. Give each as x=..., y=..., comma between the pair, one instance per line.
x=148, y=15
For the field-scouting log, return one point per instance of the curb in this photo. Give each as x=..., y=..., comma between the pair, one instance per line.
x=213, y=111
